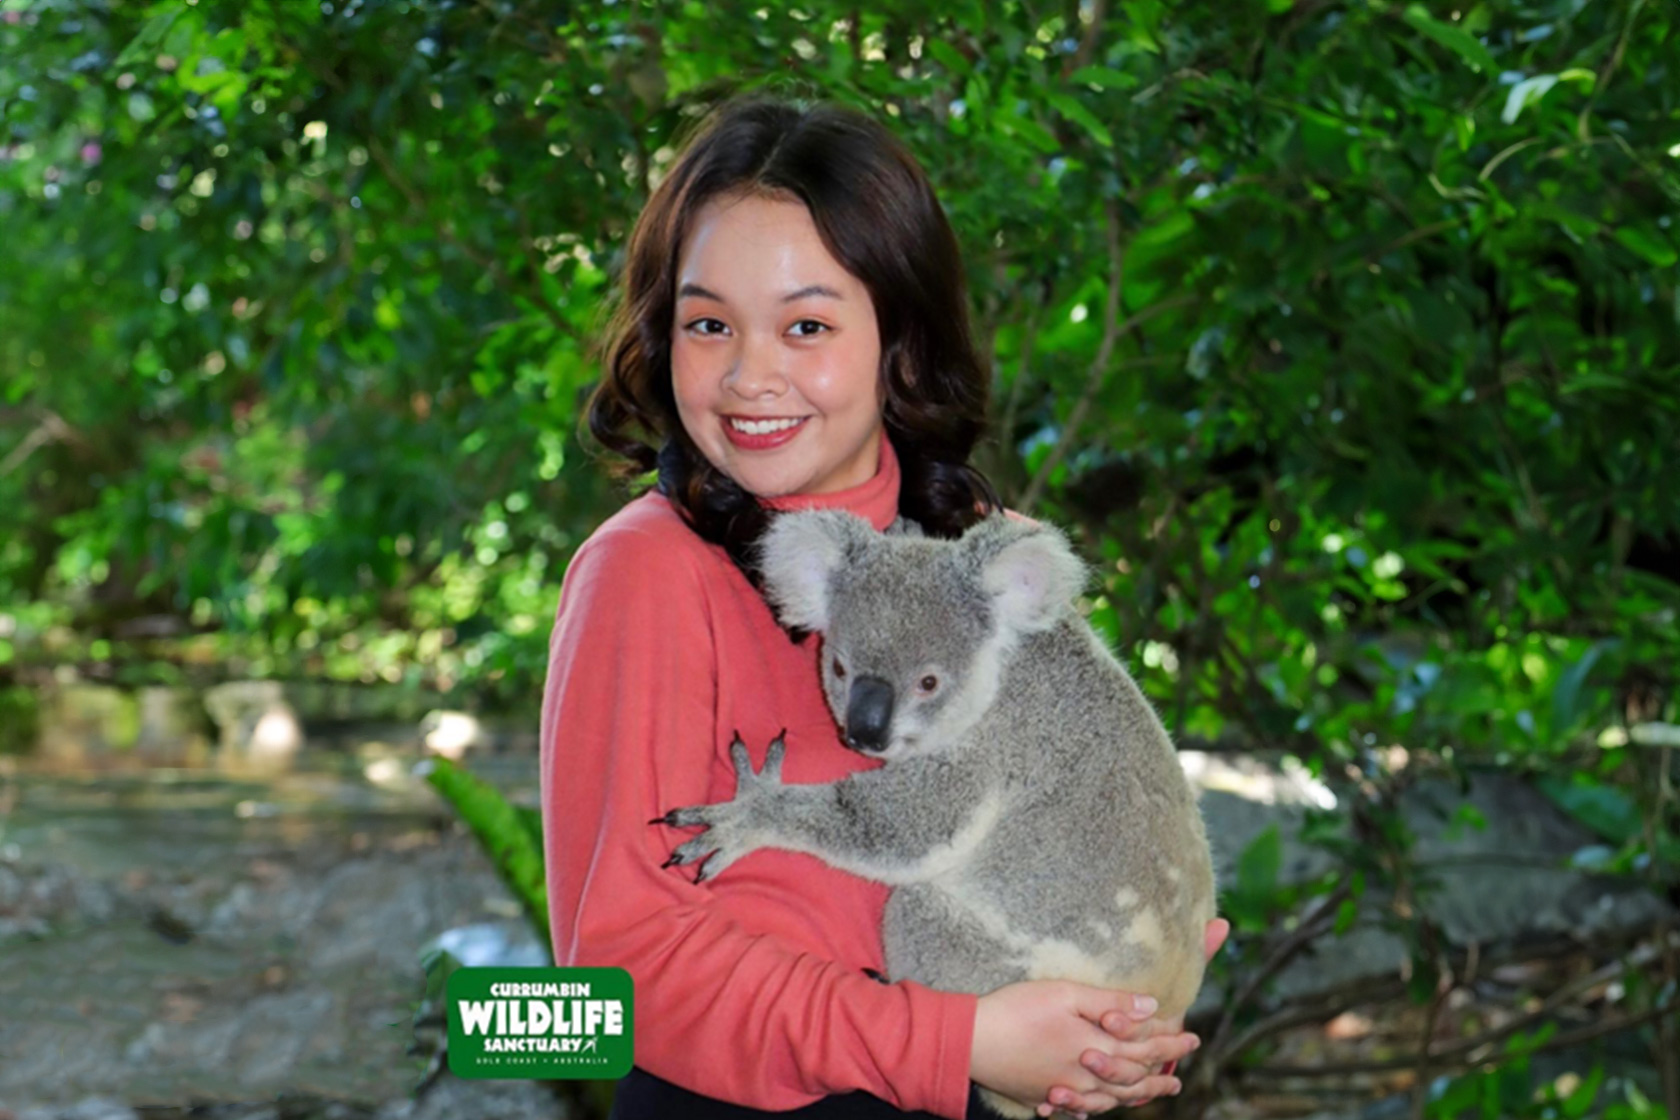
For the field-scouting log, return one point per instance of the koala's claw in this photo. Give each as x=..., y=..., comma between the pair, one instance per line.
x=745, y=777
x=706, y=851
x=731, y=826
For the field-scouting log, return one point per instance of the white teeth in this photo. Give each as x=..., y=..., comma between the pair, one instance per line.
x=762, y=427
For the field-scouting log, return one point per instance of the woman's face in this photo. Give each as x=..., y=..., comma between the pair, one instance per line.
x=775, y=354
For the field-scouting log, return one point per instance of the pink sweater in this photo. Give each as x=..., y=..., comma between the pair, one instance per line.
x=749, y=987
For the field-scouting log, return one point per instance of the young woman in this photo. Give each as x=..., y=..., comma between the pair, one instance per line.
x=793, y=333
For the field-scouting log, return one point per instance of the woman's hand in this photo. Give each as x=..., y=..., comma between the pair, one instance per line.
x=1127, y=1067
x=1028, y=1037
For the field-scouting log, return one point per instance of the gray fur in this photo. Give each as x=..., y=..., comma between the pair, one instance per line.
x=1032, y=813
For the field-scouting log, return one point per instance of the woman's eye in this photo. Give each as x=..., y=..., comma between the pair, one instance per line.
x=927, y=684
x=698, y=322
x=809, y=323
x=839, y=670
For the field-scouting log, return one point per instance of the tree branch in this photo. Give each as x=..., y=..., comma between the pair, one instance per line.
x=1113, y=331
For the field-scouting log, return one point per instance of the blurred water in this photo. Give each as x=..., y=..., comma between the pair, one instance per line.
x=193, y=820
x=178, y=936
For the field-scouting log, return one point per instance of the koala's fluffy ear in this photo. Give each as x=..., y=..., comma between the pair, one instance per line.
x=1028, y=569
x=798, y=556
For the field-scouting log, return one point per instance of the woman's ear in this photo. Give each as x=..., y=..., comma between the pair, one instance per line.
x=799, y=555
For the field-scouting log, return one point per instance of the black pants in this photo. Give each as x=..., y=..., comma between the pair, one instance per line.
x=642, y=1096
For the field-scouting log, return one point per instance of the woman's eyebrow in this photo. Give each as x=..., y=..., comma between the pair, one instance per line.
x=691, y=289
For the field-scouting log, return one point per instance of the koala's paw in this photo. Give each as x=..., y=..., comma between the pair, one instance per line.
x=733, y=828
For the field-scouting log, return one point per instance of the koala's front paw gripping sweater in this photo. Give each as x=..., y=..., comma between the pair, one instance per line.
x=749, y=987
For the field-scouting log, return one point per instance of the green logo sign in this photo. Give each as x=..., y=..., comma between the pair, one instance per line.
x=540, y=1022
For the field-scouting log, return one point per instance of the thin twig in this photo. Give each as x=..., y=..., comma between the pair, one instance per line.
x=1609, y=72
x=1088, y=41
x=51, y=428
x=1281, y=954
x=446, y=229
x=1113, y=331
x=1023, y=368
x=1462, y=1055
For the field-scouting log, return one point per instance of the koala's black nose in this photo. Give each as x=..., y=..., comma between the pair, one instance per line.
x=869, y=714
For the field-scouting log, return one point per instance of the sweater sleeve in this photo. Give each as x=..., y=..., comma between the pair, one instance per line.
x=627, y=723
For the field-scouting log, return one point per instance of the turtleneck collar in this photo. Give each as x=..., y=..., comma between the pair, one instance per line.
x=875, y=500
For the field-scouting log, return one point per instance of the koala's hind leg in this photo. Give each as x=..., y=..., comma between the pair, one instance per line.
x=934, y=940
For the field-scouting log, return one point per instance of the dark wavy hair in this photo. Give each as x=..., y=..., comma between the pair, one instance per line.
x=877, y=214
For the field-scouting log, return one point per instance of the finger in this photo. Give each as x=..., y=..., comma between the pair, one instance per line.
x=773, y=760
x=1217, y=931
x=1115, y=1069
x=1081, y=1104
x=1127, y=1028
x=743, y=761
x=1132, y=1062
x=1045, y=1108
x=1094, y=1003
x=1158, y=1085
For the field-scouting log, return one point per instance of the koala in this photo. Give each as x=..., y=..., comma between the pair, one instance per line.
x=1031, y=814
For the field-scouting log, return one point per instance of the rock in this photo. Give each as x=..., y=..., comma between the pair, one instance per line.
x=259, y=729
x=451, y=1097
x=83, y=724
x=451, y=734
x=88, y=1108
x=1509, y=879
x=172, y=723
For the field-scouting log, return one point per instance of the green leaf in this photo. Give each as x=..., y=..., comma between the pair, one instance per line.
x=1576, y=1104
x=1464, y=128
x=1607, y=811
x=1078, y=114
x=1029, y=130
x=1103, y=78
x=1566, y=696
x=948, y=56
x=503, y=831
x=1260, y=863
x=1526, y=92
x=1455, y=39
x=151, y=35
x=1648, y=243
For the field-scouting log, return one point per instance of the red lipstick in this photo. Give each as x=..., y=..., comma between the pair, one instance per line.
x=747, y=441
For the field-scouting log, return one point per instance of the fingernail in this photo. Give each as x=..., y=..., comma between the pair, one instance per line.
x=1195, y=1043
x=1178, y=1087
x=1144, y=1005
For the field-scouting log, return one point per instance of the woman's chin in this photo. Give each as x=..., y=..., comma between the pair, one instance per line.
x=763, y=478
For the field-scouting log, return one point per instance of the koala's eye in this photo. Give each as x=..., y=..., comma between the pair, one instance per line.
x=839, y=670
x=927, y=684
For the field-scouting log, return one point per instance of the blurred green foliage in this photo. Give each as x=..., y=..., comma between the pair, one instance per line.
x=1345, y=334
x=510, y=834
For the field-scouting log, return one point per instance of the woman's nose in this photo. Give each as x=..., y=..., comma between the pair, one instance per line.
x=757, y=371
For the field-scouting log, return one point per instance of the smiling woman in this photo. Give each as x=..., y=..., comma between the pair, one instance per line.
x=793, y=333
x=775, y=378
x=791, y=247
